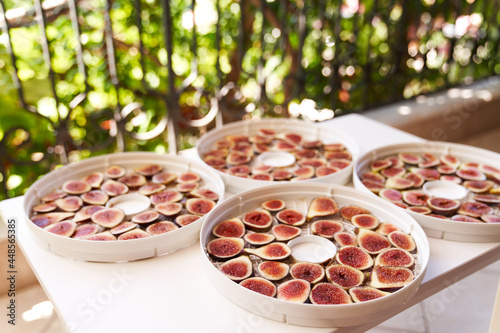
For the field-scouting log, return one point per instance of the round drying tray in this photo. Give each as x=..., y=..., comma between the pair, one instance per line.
x=274, y=157
x=120, y=250
x=468, y=158
x=298, y=196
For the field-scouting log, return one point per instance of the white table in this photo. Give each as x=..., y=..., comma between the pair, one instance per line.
x=171, y=293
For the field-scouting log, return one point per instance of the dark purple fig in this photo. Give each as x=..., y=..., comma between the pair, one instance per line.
x=184, y=220
x=312, y=144
x=224, y=143
x=401, y=204
x=164, y=178
x=410, y=158
x=443, y=206
x=380, y=165
x=186, y=187
x=304, y=172
x=166, y=196
x=229, y=228
x=263, y=177
x=76, y=187
x=102, y=237
x=344, y=276
x=285, y=232
x=237, y=269
x=322, y=206
x=239, y=169
x=372, y=242
x=313, y=162
x=363, y=294
x=338, y=155
x=273, y=251
x=146, y=217
x=162, y=227
x=390, y=277
x=169, y=208
x=225, y=247
x=451, y=161
x=64, y=228
x=395, y=161
x=326, y=228
x=375, y=187
x=429, y=161
x=438, y=216
x=262, y=169
x=398, y=183
x=69, y=204
x=470, y=174
x=86, y=230
x=393, y=172
x=108, y=217
x=449, y=178
x=285, y=146
x=259, y=285
x=474, y=209
x=373, y=176
x=113, y=188
x=217, y=153
x=487, y=198
x=295, y=290
x=391, y=194
x=237, y=158
x=44, y=220
x=426, y=174
x=312, y=273
x=123, y=227
x=85, y=213
x=151, y=188
x=281, y=175
x=446, y=169
x=395, y=257
x=490, y=218
x=464, y=218
x=338, y=164
x=199, y=206
x=273, y=205
x=325, y=171
x=273, y=270
x=115, y=171
x=204, y=193
x=345, y=239
x=420, y=210
x=54, y=196
x=479, y=186
x=258, y=220
x=94, y=179
x=333, y=147
x=366, y=221
x=401, y=240
x=95, y=197
x=149, y=170
x=133, y=180
x=291, y=217
x=488, y=169
x=306, y=153
x=260, y=147
x=348, y=212
x=45, y=207
x=386, y=228
x=415, y=197
x=133, y=234
x=355, y=257
x=415, y=178
x=257, y=238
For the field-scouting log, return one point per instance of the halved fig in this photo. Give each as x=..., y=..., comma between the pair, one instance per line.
x=133, y=180
x=123, y=227
x=348, y=212
x=273, y=251
x=344, y=276
x=291, y=217
x=259, y=285
x=285, y=146
x=184, y=220
x=312, y=273
x=115, y=171
x=426, y=174
x=113, y=188
x=45, y=207
x=229, y=228
x=263, y=177
x=363, y=294
x=69, y=204
x=474, y=209
x=43, y=220
x=326, y=228
x=149, y=170
x=322, y=206
x=390, y=277
x=391, y=194
x=285, y=232
x=338, y=164
x=204, y=193
x=372, y=242
x=95, y=197
x=260, y=147
x=86, y=229
x=312, y=144
x=188, y=177
x=420, y=210
x=86, y=212
x=401, y=204
x=479, y=186
x=76, y=187
x=467, y=165
x=380, y=165
x=295, y=290
x=273, y=205
x=54, y=196
x=244, y=148
x=225, y=247
x=186, y=187
x=443, y=206
x=398, y=183
x=273, y=270
x=166, y=196
x=237, y=138
x=449, y=178
x=415, y=197
x=446, y=169
x=258, y=220
x=304, y=172
x=401, y=240
x=281, y=175
x=64, y=228
x=373, y=176
x=334, y=146
x=487, y=198
x=355, y=257
x=224, y=143
x=491, y=218
x=313, y=162
x=338, y=155
x=146, y=217
x=101, y=237
x=488, y=169
x=199, y=206
x=366, y=221
x=395, y=161
x=293, y=138
x=239, y=169
x=237, y=269
x=415, y=178
x=266, y=132
x=429, y=161
x=218, y=153
x=260, y=139
x=133, y=234
x=161, y=227
x=345, y=239
x=237, y=158
x=470, y=174
x=108, y=217
x=386, y=228
x=164, y=177
x=325, y=171
x=451, y=161
x=375, y=187
x=395, y=257
x=393, y=172
x=410, y=158
x=438, y=216
x=94, y=179
x=464, y=218
x=151, y=188
x=262, y=169
x=257, y=238
x=306, y=153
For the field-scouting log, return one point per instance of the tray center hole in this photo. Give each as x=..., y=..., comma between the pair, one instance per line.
x=313, y=249
x=445, y=189
x=276, y=159
x=132, y=203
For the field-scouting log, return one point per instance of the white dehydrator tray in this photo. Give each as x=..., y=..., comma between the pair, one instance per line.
x=309, y=131
x=436, y=227
x=298, y=196
x=126, y=250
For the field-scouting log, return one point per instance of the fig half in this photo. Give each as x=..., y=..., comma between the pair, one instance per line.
x=325, y=171
x=451, y=161
x=487, y=198
x=420, y=210
x=115, y=171
x=225, y=247
x=367, y=221
x=169, y=208
x=373, y=176
x=312, y=273
x=338, y=164
x=327, y=293
x=133, y=234
x=186, y=187
x=474, y=209
x=257, y=238
x=95, y=197
x=391, y=194
x=374, y=187
x=322, y=206
x=304, y=172
x=415, y=178
x=285, y=232
x=146, y=217
x=258, y=220
x=113, y=188
x=393, y=172
x=108, y=217
x=54, y=196
x=479, y=186
x=273, y=270
x=259, y=285
x=443, y=206
x=204, y=193
x=380, y=165
x=45, y=207
x=273, y=251
x=395, y=257
x=291, y=217
x=348, y=212
x=69, y=203
x=372, y=242
x=344, y=276
x=188, y=177
x=166, y=196
x=123, y=227
x=133, y=180
x=184, y=220
x=390, y=277
x=386, y=228
x=237, y=269
x=426, y=174
x=94, y=179
x=101, y=237
x=410, y=158
x=64, y=228
x=43, y=220
x=229, y=228
x=85, y=230
x=199, y=206
x=464, y=218
x=470, y=174
x=76, y=187
x=490, y=218
x=415, y=197
x=149, y=170
x=295, y=290
x=164, y=178
x=399, y=183
x=401, y=240
x=345, y=239
x=85, y=213
x=355, y=257
x=273, y=205
x=363, y=294
x=326, y=228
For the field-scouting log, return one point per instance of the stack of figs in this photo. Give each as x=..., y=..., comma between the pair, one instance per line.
x=374, y=258
x=78, y=209
x=237, y=156
x=400, y=179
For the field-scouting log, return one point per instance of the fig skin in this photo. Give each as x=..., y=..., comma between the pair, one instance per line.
x=186, y=187
x=393, y=172
x=490, y=218
x=366, y=221
x=386, y=228
x=58, y=194
x=273, y=270
x=291, y=217
x=44, y=220
x=450, y=160
x=272, y=251
x=443, y=206
x=294, y=290
x=420, y=210
x=108, y=217
x=380, y=165
x=256, y=238
x=225, y=247
x=95, y=197
x=326, y=228
x=123, y=227
x=101, y=237
x=373, y=176
x=204, y=193
x=325, y=171
x=390, y=277
x=186, y=219
x=338, y=155
x=487, y=198
x=402, y=241
x=333, y=146
x=259, y=220
x=133, y=234
x=398, y=183
x=348, y=212
x=355, y=257
x=114, y=188
x=115, y=171
x=262, y=169
x=329, y=294
x=229, y=228
x=446, y=169
x=285, y=232
x=470, y=174
x=94, y=179
x=76, y=187
x=162, y=227
x=149, y=170
x=417, y=180
x=281, y=175
x=45, y=207
x=304, y=172
x=199, y=206
x=344, y=276
x=237, y=269
x=448, y=178
x=474, y=209
x=312, y=162
x=133, y=180
x=338, y=164
x=322, y=206
x=259, y=285
x=395, y=257
x=465, y=218
x=237, y=158
x=372, y=242
x=86, y=212
x=392, y=195
x=164, y=178
x=263, y=177
x=63, y=228
x=306, y=153
x=85, y=230
x=146, y=217
x=165, y=196
x=415, y=197
x=410, y=158
x=273, y=205
x=312, y=273
x=169, y=208
x=374, y=187
x=363, y=294
x=345, y=239
x=426, y=174
x=480, y=186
